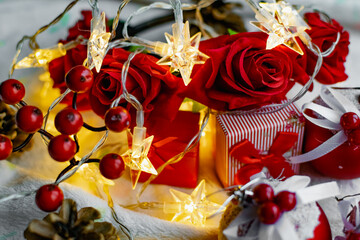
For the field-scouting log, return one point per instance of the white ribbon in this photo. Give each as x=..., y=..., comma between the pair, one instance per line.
x=339, y=105
x=283, y=229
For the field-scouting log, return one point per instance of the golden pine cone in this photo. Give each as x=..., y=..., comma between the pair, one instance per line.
x=70, y=224
x=8, y=126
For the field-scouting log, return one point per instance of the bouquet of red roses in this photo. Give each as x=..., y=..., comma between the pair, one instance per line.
x=240, y=73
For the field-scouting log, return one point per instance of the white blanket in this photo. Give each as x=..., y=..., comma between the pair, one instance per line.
x=23, y=17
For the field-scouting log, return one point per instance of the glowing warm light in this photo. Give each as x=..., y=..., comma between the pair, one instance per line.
x=181, y=51
x=136, y=157
x=92, y=173
x=282, y=23
x=194, y=208
x=98, y=42
x=41, y=57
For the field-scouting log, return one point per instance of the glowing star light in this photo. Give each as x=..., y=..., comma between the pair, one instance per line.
x=194, y=208
x=282, y=23
x=41, y=57
x=136, y=157
x=98, y=42
x=181, y=51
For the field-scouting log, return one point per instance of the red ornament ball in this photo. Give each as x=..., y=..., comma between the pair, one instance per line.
x=49, y=197
x=269, y=213
x=112, y=166
x=339, y=163
x=350, y=121
x=286, y=200
x=6, y=147
x=68, y=121
x=117, y=119
x=62, y=148
x=353, y=236
x=322, y=230
x=79, y=79
x=12, y=91
x=263, y=193
x=29, y=119
x=354, y=137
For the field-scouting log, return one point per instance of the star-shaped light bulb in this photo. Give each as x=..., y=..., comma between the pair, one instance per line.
x=41, y=57
x=282, y=23
x=181, y=51
x=193, y=208
x=136, y=157
x=98, y=42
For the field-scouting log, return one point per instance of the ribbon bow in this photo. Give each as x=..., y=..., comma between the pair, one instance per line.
x=253, y=161
x=338, y=106
x=283, y=229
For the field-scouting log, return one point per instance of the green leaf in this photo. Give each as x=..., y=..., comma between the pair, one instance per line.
x=196, y=106
x=134, y=48
x=232, y=32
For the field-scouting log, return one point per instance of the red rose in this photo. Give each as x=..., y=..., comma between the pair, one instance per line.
x=60, y=66
x=153, y=85
x=76, y=56
x=324, y=34
x=240, y=72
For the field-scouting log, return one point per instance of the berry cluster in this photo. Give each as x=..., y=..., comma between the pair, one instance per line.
x=68, y=123
x=270, y=207
x=350, y=122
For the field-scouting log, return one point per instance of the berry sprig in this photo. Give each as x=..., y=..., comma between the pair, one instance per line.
x=270, y=207
x=350, y=122
x=68, y=123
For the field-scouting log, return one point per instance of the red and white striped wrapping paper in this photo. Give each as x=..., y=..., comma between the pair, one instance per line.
x=260, y=129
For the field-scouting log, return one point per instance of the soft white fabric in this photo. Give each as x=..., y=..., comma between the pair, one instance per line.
x=24, y=17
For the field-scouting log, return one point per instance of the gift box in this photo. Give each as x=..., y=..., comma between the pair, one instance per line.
x=254, y=134
x=341, y=159
x=170, y=141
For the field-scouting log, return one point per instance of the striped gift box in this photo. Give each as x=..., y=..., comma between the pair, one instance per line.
x=260, y=129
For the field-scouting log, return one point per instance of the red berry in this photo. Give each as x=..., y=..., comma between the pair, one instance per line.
x=49, y=197
x=117, y=119
x=62, y=148
x=12, y=91
x=350, y=120
x=263, y=193
x=29, y=119
x=79, y=79
x=354, y=137
x=6, y=147
x=286, y=200
x=268, y=213
x=111, y=166
x=68, y=121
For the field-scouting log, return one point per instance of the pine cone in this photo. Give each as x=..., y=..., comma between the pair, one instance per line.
x=8, y=126
x=231, y=212
x=69, y=224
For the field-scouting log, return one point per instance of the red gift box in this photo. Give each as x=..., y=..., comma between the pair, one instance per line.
x=168, y=143
x=260, y=130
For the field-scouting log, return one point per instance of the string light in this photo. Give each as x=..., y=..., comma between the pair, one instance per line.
x=136, y=156
x=98, y=42
x=282, y=23
x=193, y=208
x=181, y=51
x=41, y=57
